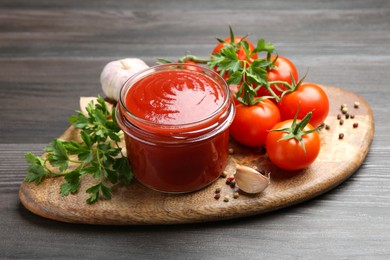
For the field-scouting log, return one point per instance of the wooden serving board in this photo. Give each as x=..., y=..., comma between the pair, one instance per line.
x=137, y=205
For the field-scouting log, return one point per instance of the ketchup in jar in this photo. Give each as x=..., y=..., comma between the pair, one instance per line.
x=175, y=118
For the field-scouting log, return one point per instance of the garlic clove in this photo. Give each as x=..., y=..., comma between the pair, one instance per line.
x=230, y=167
x=251, y=181
x=116, y=73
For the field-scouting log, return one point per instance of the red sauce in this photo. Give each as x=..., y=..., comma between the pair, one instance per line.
x=174, y=97
x=176, y=122
x=180, y=169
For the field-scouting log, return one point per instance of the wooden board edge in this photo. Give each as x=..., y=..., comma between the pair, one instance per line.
x=25, y=196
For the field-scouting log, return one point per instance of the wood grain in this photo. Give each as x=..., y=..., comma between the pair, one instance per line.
x=337, y=161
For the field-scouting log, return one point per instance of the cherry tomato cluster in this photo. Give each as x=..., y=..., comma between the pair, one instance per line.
x=271, y=102
x=273, y=107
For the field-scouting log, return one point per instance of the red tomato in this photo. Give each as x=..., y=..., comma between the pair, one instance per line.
x=240, y=53
x=289, y=154
x=308, y=97
x=283, y=70
x=251, y=123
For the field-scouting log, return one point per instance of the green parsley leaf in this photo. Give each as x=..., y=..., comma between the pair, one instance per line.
x=72, y=183
x=122, y=166
x=94, y=191
x=36, y=170
x=57, y=154
x=98, y=155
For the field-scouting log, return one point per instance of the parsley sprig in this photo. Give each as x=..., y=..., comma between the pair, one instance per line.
x=249, y=73
x=98, y=155
x=246, y=72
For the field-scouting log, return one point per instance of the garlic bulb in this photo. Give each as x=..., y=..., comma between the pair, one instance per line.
x=115, y=74
x=249, y=180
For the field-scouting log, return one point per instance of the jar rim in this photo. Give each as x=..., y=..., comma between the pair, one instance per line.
x=176, y=138
x=173, y=66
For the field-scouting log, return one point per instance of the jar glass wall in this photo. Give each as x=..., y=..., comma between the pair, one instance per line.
x=175, y=118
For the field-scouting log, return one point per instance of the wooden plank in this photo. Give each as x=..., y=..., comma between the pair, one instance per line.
x=351, y=221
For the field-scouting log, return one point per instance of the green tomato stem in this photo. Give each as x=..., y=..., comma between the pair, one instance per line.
x=193, y=58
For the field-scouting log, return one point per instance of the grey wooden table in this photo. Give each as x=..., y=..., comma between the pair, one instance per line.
x=52, y=52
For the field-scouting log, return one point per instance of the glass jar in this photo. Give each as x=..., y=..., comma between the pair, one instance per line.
x=175, y=118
